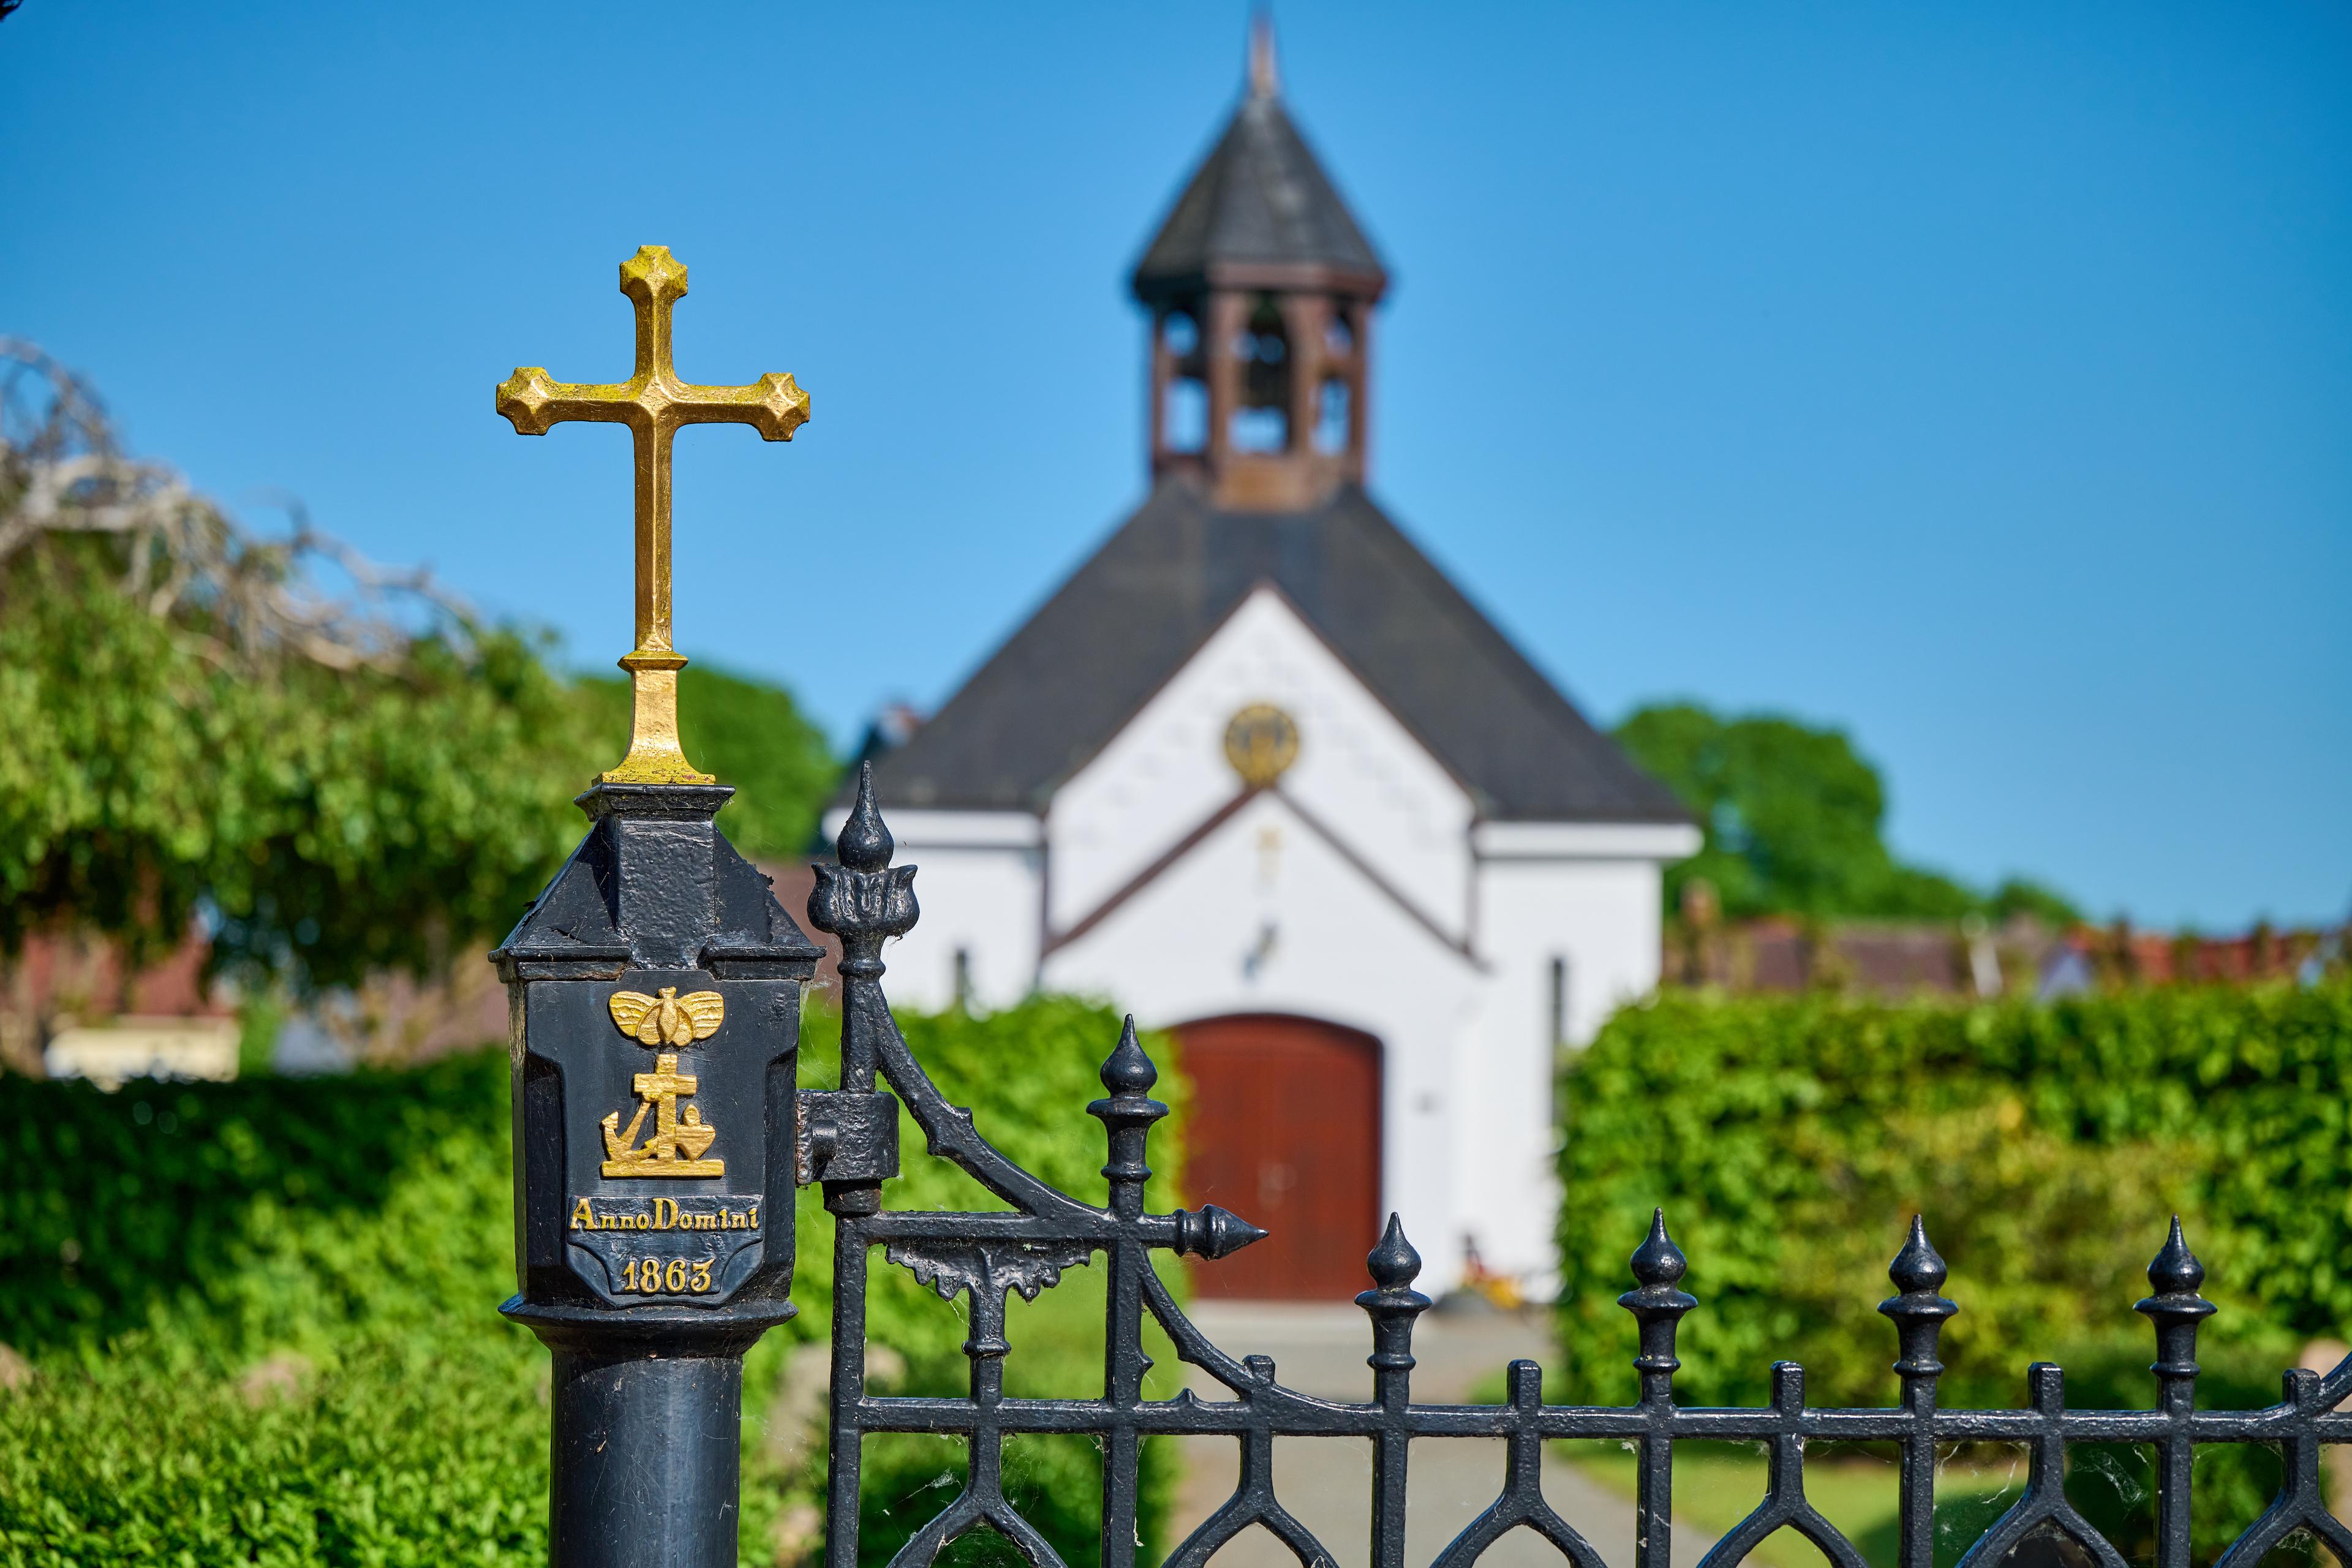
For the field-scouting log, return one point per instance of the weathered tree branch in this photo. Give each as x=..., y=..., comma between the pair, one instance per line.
x=249, y=598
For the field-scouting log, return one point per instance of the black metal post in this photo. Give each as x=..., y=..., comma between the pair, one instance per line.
x=654, y=1173
x=646, y=1456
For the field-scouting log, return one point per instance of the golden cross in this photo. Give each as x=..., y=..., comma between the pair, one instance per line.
x=653, y=403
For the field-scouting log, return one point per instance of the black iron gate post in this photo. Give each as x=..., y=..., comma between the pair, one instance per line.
x=655, y=979
x=852, y=1142
x=1126, y=1113
x=1048, y=1232
x=654, y=1002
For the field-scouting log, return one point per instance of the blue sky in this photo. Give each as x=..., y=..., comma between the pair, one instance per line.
x=1978, y=378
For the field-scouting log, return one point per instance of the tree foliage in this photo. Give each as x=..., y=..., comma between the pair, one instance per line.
x=332, y=821
x=341, y=767
x=342, y=780
x=1793, y=817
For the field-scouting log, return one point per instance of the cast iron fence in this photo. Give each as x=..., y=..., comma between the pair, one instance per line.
x=848, y=1142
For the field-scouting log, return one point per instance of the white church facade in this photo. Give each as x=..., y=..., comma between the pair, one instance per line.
x=1258, y=773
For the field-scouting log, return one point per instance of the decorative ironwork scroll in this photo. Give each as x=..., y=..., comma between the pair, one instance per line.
x=864, y=901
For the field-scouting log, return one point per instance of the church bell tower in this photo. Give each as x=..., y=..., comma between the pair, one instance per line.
x=1261, y=289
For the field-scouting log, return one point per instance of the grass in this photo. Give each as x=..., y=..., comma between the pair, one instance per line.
x=1716, y=1485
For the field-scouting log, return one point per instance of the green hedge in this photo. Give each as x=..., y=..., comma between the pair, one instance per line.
x=261, y=1316
x=1790, y=1140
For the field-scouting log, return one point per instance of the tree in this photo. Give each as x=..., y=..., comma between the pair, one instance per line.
x=338, y=782
x=1792, y=817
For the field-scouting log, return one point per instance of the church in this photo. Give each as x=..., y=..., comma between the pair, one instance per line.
x=1259, y=772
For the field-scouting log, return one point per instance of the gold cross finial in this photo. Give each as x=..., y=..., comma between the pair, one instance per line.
x=653, y=403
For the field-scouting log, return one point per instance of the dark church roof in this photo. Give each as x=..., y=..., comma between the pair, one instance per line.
x=1080, y=667
x=1259, y=200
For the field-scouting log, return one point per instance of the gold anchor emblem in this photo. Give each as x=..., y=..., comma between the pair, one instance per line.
x=679, y=1140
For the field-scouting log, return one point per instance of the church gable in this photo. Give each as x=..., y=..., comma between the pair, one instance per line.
x=1355, y=769
x=1269, y=910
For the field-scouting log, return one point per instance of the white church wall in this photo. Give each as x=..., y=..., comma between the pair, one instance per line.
x=1194, y=943
x=1599, y=919
x=1266, y=913
x=977, y=882
x=1662, y=841
x=1360, y=772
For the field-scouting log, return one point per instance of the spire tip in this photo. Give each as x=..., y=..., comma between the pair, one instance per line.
x=1265, y=76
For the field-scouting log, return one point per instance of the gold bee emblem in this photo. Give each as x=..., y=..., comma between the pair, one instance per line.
x=668, y=1019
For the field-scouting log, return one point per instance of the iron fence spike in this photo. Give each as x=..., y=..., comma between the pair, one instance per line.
x=864, y=843
x=2175, y=1271
x=1394, y=1264
x=1658, y=1261
x=1918, y=1268
x=1214, y=1232
x=1129, y=1068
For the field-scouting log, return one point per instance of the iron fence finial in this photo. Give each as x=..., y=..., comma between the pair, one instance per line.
x=864, y=843
x=1919, y=1269
x=2176, y=1308
x=1919, y=1272
x=1128, y=1069
x=1919, y=1313
x=864, y=899
x=1658, y=1263
x=1127, y=1116
x=2175, y=1271
x=1656, y=1302
x=1394, y=1264
x=1394, y=1304
x=1212, y=1232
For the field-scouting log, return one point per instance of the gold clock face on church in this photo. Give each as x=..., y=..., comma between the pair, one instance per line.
x=1261, y=744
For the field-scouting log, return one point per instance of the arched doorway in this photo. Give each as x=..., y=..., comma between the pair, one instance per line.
x=1286, y=1132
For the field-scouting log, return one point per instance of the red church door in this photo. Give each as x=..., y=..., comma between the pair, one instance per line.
x=1284, y=1131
